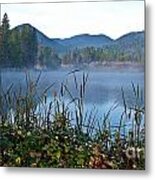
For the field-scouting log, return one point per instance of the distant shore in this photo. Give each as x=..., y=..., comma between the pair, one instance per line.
x=106, y=66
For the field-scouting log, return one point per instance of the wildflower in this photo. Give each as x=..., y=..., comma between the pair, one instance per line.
x=19, y=132
x=80, y=148
x=18, y=160
x=66, y=137
x=86, y=144
x=56, y=137
x=29, y=133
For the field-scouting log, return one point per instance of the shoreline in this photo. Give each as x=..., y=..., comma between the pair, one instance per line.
x=105, y=66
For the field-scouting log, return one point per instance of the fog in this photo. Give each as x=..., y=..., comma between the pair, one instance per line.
x=103, y=88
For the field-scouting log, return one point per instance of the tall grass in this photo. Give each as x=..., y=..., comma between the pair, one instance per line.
x=39, y=133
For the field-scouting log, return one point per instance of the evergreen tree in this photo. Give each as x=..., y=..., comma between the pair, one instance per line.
x=4, y=41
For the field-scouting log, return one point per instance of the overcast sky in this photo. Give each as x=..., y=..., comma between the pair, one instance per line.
x=64, y=20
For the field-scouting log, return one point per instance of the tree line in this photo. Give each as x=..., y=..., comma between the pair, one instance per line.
x=105, y=54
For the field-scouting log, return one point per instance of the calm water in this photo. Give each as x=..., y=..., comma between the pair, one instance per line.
x=103, y=89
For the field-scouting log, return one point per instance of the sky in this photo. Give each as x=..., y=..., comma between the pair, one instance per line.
x=64, y=20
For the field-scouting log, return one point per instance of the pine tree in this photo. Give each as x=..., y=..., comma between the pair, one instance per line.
x=4, y=41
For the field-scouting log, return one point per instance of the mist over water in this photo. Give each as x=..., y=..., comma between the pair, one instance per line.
x=103, y=89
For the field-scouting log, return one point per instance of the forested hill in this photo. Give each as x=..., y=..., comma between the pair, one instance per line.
x=132, y=36
x=42, y=39
x=85, y=40
x=127, y=41
x=26, y=46
x=131, y=40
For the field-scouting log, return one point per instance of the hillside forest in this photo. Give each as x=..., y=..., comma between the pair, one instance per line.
x=26, y=47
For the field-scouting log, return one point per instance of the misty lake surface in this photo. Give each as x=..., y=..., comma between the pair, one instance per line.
x=103, y=89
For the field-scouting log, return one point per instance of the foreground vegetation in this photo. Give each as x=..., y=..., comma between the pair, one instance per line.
x=38, y=133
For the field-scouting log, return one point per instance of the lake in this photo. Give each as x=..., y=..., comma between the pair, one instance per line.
x=103, y=89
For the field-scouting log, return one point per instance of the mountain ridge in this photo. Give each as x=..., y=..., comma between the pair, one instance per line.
x=85, y=40
x=129, y=42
